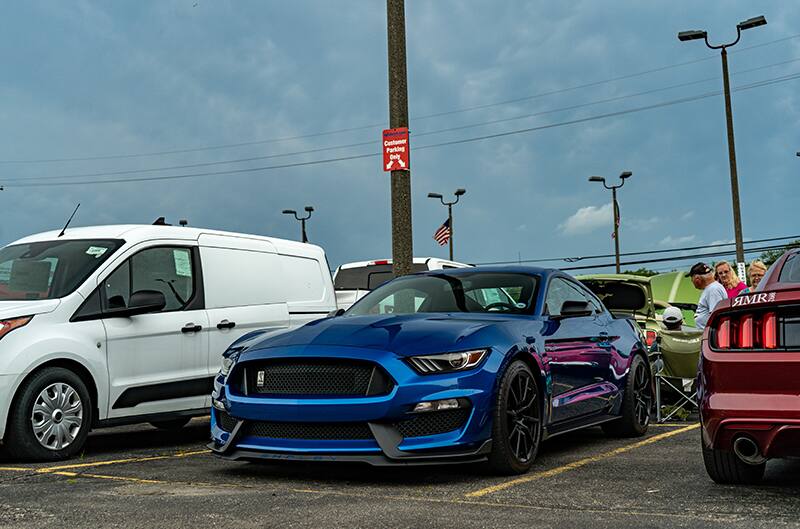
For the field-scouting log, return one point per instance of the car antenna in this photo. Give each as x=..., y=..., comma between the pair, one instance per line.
x=69, y=220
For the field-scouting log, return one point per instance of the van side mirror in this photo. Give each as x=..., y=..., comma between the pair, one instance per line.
x=574, y=308
x=334, y=313
x=141, y=302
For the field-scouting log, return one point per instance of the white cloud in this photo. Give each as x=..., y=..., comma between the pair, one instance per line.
x=642, y=224
x=688, y=215
x=669, y=240
x=587, y=219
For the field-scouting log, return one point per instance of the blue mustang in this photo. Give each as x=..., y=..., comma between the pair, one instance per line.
x=462, y=365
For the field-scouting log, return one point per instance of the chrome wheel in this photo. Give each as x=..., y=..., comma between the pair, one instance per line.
x=522, y=416
x=57, y=416
x=642, y=394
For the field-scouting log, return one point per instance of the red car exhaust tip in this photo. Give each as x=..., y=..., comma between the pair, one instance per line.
x=747, y=450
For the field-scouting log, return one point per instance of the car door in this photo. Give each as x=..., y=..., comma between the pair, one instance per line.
x=577, y=353
x=157, y=362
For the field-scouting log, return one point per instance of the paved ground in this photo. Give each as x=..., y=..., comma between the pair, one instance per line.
x=140, y=477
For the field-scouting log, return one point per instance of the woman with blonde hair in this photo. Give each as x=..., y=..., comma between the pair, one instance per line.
x=756, y=273
x=725, y=275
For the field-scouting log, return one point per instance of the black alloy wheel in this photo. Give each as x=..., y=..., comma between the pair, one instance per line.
x=637, y=402
x=517, y=428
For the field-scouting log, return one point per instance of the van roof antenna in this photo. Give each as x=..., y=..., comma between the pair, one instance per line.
x=69, y=220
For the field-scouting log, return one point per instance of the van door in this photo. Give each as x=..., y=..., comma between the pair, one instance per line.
x=244, y=292
x=157, y=362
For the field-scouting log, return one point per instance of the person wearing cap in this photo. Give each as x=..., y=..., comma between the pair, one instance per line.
x=756, y=273
x=703, y=279
x=728, y=278
x=672, y=318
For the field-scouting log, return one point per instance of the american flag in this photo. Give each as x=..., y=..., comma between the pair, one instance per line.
x=442, y=235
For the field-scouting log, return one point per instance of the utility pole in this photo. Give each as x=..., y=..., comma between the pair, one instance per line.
x=402, y=245
x=695, y=34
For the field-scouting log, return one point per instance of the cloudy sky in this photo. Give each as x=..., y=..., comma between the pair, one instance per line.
x=96, y=91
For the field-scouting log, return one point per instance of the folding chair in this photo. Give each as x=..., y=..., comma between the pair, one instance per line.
x=676, y=361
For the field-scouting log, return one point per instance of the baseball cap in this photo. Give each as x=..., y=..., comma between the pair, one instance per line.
x=672, y=315
x=699, y=269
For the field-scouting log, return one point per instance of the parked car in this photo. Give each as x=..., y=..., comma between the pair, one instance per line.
x=352, y=281
x=676, y=290
x=120, y=324
x=749, y=373
x=629, y=295
x=454, y=373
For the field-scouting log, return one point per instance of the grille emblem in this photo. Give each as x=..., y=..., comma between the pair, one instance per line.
x=260, y=378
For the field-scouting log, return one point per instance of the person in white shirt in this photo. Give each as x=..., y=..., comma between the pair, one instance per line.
x=703, y=279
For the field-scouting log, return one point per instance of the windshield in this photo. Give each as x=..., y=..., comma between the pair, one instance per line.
x=441, y=292
x=50, y=269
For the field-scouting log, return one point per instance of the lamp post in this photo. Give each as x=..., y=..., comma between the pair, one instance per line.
x=459, y=192
x=302, y=220
x=622, y=177
x=702, y=34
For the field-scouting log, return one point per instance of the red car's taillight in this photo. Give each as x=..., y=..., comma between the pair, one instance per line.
x=747, y=331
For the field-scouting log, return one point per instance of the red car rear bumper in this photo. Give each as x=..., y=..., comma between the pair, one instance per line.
x=755, y=394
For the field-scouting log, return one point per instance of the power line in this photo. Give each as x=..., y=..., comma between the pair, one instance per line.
x=419, y=148
x=371, y=142
x=647, y=252
x=376, y=125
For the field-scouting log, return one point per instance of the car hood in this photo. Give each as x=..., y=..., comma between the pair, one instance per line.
x=16, y=309
x=405, y=334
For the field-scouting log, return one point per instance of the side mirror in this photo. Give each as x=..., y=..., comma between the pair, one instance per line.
x=141, y=302
x=571, y=309
x=334, y=313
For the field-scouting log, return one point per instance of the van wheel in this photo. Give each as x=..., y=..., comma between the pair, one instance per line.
x=51, y=417
x=171, y=424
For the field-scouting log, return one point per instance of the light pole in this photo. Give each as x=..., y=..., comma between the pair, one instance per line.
x=702, y=34
x=459, y=192
x=302, y=220
x=622, y=177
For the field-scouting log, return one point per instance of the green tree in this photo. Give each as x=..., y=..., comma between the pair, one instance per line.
x=641, y=272
x=770, y=256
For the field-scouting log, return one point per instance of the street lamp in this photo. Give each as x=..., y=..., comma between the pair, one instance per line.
x=622, y=177
x=302, y=220
x=700, y=34
x=459, y=192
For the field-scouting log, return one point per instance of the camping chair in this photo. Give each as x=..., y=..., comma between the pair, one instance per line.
x=676, y=360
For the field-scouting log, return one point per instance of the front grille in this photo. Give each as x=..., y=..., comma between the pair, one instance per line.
x=432, y=423
x=333, y=378
x=343, y=431
x=225, y=421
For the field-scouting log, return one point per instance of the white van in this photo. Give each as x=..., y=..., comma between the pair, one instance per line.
x=352, y=281
x=121, y=324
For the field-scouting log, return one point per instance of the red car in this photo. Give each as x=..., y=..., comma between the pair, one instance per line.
x=749, y=382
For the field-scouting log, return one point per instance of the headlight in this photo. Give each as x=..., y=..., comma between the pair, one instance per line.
x=229, y=359
x=6, y=326
x=447, y=362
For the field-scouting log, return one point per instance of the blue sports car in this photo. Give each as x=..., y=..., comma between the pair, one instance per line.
x=460, y=365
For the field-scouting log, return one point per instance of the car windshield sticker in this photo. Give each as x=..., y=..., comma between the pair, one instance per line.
x=183, y=266
x=96, y=251
x=741, y=301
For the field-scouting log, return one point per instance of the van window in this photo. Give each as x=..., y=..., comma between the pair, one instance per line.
x=168, y=270
x=50, y=269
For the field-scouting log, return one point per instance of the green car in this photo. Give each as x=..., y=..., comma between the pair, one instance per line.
x=629, y=295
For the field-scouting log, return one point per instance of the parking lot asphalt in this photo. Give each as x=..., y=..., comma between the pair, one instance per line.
x=141, y=477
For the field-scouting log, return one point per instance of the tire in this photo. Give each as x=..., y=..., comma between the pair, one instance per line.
x=516, y=424
x=727, y=469
x=51, y=417
x=171, y=424
x=637, y=402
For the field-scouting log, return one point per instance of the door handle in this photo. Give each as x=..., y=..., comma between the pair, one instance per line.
x=191, y=327
x=225, y=324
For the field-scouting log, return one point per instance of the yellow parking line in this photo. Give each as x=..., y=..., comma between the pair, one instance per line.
x=102, y=476
x=15, y=469
x=667, y=424
x=577, y=464
x=121, y=461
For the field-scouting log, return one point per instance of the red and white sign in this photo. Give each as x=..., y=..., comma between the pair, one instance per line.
x=395, y=149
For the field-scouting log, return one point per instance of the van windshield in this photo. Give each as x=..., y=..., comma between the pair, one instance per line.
x=50, y=269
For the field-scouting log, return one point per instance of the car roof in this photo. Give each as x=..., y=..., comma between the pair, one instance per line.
x=510, y=269
x=416, y=260
x=615, y=277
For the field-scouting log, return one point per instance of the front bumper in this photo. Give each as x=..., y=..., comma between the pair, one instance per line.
x=380, y=418
x=753, y=394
